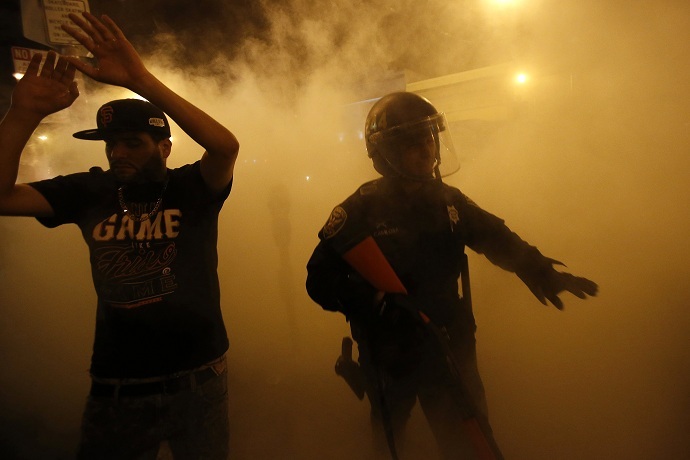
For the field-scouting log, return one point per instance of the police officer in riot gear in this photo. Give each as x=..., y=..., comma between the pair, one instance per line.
x=401, y=124
x=420, y=344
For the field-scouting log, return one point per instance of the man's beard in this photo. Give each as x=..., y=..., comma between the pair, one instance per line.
x=151, y=171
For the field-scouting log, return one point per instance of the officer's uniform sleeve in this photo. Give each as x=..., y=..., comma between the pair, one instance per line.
x=334, y=285
x=331, y=282
x=488, y=234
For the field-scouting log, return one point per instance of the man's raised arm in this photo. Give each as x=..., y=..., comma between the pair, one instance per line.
x=119, y=64
x=37, y=95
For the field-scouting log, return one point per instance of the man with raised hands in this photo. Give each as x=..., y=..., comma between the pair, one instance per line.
x=158, y=367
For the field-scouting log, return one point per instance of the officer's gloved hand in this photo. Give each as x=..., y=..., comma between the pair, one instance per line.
x=365, y=310
x=546, y=283
x=396, y=334
x=394, y=308
x=398, y=315
x=357, y=297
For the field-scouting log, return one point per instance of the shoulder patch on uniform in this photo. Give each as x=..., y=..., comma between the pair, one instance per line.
x=335, y=222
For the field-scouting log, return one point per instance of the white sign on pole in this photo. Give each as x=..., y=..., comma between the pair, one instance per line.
x=42, y=20
x=56, y=12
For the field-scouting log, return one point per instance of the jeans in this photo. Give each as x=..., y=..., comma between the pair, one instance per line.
x=193, y=421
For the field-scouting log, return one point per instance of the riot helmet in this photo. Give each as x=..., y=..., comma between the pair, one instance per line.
x=407, y=137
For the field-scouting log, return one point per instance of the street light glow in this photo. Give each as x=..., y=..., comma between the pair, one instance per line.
x=521, y=78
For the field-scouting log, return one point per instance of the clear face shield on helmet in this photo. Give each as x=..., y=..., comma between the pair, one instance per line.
x=418, y=150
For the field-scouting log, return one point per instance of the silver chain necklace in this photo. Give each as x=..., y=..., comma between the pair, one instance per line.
x=145, y=216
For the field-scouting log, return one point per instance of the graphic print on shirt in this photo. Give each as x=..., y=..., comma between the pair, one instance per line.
x=133, y=260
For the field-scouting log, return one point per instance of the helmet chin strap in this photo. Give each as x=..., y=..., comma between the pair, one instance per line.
x=388, y=169
x=410, y=178
x=436, y=176
x=437, y=171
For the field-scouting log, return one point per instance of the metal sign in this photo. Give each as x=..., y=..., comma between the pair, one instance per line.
x=56, y=12
x=42, y=20
x=22, y=56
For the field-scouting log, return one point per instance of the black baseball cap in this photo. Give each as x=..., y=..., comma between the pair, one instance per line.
x=126, y=115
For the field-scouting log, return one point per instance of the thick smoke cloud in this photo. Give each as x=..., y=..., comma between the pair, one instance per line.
x=591, y=167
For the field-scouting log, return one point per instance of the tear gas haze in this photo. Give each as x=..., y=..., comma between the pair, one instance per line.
x=585, y=156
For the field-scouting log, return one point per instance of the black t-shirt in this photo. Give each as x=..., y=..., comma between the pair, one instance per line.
x=156, y=281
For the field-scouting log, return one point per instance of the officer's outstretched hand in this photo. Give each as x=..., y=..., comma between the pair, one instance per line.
x=546, y=283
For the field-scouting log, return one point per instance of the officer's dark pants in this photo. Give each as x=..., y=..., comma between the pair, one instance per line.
x=447, y=404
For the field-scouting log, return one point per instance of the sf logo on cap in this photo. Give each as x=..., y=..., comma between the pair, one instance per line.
x=106, y=115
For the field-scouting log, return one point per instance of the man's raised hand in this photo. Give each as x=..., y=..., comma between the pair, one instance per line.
x=47, y=91
x=118, y=63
